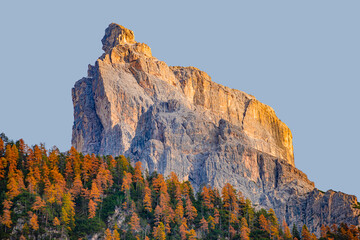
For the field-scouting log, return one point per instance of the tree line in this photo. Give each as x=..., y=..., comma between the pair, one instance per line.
x=46, y=194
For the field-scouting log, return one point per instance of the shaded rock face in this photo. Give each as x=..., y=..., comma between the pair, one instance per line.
x=177, y=119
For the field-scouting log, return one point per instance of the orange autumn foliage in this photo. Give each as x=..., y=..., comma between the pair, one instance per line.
x=38, y=204
x=137, y=173
x=6, y=217
x=147, y=197
x=134, y=223
x=33, y=221
x=264, y=223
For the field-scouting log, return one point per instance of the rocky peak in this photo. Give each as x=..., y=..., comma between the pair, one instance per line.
x=177, y=119
x=116, y=35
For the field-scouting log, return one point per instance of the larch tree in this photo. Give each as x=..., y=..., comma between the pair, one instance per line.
x=313, y=236
x=74, y=159
x=179, y=212
x=6, y=217
x=229, y=197
x=112, y=162
x=95, y=193
x=207, y=199
x=264, y=224
x=33, y=221
x=108, y=235
x=68, y=211
x=92, y=208
x=134, y=223
x=11, y=156
x=77, y=186
x=286, y=230
x=192, y=234
x=86, y=168
x=3, y=164
x=95, y=164
x=190, y=210
x=147, y=197
x=38, y=204
x=2, y=148
x=204, y=226
x=56, y=222
x=159, y=232
x=244, y=230
x=158, y=214
x=183, y=229
x=69, y=172
x=15, y=177
x=125, y=187
x=116, y=235
x=216, y=216
x=159, y=183
x=323, y=231
x=103, y=178
x=305, y=234
x=232, y=231
x=14, y=185
x=137, y=173
x=211, y=221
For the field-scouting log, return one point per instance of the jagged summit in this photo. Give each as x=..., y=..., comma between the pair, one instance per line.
x=177, y=119
x=115, y=35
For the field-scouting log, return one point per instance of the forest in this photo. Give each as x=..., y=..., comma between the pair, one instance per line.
x=48, y=194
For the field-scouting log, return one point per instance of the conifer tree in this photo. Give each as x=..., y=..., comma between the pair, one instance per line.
x=264, y=224
x=305, y=234
x=204, y=226
x=116, y=235
x=108, y=235
x=33, y=221
x=192, y=234
x=68, y=211
x=295, y=232
x=92, y=208
x=135, y=223
x=2, y=148
x=6, y=217
x=86, y=168
x=245, y=230
x=323, y=231
x=56, y=221
x=211, y=221
x=232, y=231
x=190, y=210
x=159, y=232
x=3, y=164
x=206, y=195
x=77, y=186
x=286, y=230
x=137, y=173
x=183, y=229
x=147, y=197
x=38, y=204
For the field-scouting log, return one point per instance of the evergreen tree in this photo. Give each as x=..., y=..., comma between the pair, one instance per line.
x=295, y=232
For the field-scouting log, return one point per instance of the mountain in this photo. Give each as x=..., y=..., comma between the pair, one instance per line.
x=177, y=119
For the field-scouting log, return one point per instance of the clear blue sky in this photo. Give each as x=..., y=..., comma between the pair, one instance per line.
x=300, y=57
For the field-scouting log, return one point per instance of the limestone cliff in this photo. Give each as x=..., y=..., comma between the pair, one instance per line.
x=177, y=119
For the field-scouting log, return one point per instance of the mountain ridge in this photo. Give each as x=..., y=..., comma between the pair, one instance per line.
x=178, y=119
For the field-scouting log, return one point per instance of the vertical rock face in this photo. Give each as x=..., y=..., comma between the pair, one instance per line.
x=177, y=119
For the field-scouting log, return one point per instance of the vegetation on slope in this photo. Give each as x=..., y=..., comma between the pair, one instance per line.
x=46, y=194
